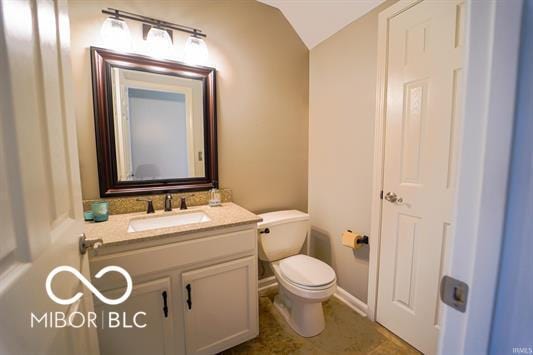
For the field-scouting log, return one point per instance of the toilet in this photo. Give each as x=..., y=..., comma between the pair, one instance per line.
x=304, y=282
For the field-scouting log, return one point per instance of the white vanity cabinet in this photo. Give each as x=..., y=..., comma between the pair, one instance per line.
x=210, y=284
x=220, y=305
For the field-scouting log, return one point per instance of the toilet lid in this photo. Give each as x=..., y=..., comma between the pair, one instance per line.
x=306, y=271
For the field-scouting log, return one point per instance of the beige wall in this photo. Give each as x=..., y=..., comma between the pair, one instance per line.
x=342, y=98
x=262, y=87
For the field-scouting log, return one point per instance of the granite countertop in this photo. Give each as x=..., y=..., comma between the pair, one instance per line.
x=115, y=231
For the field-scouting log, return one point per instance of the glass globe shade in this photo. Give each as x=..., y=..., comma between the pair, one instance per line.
x=116, y=34
x=195, y=50
x=159, y=42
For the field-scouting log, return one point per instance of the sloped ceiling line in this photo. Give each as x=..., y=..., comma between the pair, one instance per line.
x=316, y=20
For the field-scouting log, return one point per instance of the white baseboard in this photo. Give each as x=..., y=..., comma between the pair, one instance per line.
x=351, y=301
x=267, y=283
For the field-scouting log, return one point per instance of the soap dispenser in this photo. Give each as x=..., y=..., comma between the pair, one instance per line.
x=214, y=199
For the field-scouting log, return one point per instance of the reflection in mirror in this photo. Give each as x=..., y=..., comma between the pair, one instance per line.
x=158, y=124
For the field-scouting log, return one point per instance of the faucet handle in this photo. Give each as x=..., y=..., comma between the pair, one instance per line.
x=149, y=204
x=183, y=202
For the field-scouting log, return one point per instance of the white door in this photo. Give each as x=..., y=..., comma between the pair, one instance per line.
x=220, y=306
x=149, y=324
x=423, y=97
x=41, y=213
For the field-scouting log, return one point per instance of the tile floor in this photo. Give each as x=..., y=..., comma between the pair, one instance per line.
x=346, y=332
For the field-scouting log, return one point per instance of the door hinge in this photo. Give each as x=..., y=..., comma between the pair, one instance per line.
x=381, y=195
x=454, y=293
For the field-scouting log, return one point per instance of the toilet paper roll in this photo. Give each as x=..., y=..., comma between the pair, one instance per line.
x=350, y=239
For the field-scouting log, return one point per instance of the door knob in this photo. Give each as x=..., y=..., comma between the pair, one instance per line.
x=393, y=198
x=85, y=244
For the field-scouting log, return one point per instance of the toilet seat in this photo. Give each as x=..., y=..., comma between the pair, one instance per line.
x=307, y=272
x=312, y=288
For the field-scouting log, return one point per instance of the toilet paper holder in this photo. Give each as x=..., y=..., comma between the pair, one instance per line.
x=363, y=240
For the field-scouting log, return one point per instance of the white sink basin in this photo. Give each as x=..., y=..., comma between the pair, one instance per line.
x=143, y=224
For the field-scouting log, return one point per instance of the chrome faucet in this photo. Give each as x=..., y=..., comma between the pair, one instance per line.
x=168, y=203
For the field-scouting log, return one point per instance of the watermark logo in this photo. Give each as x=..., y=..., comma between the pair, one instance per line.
x=89, y=285
x=77, y=319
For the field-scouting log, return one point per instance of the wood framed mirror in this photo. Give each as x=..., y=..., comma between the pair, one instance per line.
x=155, y=123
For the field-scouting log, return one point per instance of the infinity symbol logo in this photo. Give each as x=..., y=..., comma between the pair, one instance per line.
x=88, y=284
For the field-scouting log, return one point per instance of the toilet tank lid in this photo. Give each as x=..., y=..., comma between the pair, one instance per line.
x=278, y=217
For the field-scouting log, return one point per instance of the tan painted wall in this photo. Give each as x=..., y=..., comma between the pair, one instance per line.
x=342, y=98
x=262, y=84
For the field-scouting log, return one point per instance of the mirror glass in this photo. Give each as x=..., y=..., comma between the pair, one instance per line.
x=158, y=125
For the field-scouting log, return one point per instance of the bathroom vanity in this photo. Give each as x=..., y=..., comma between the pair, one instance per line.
x=194, y=275
x=194, y=272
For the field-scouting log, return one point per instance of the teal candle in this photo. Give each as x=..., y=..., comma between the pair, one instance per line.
x=100, y=211
x=88, y=215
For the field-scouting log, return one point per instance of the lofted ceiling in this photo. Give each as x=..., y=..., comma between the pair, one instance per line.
x=316, y=20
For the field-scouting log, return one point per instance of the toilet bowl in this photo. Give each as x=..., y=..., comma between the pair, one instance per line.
x=304, y=282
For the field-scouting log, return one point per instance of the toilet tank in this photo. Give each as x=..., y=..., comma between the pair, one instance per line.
x=286, y=235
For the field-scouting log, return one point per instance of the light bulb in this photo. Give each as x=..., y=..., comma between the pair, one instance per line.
x=159, y=43
x=116, y=34
x=195, y=50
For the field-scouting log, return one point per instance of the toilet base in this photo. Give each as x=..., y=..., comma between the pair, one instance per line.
x=306, y=318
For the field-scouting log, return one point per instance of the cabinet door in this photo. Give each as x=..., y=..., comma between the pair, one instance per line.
x=126, y=338
x=220, y=306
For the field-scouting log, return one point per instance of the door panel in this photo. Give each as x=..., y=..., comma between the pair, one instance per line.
x=404, y=261
x=422, y=115
x=42, y=176
x=412, y=126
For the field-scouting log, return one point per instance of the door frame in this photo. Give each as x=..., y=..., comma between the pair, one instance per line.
x=492, y=34
x=493, y=40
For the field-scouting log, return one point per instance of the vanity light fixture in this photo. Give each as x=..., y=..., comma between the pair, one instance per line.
x=157, y=33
